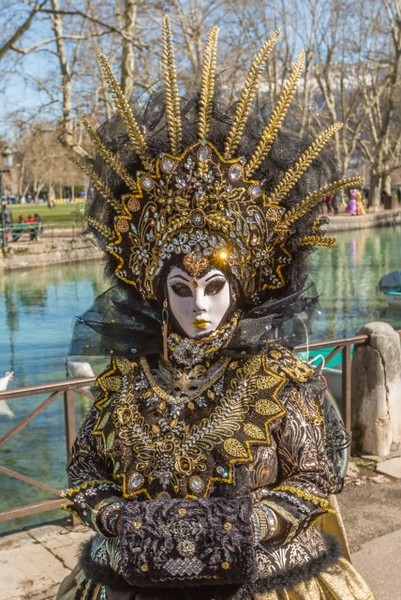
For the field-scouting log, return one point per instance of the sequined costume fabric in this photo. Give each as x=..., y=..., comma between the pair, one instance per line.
x=205, y=475
x=222, y=429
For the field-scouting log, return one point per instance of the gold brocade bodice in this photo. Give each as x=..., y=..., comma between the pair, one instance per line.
x=178, y=432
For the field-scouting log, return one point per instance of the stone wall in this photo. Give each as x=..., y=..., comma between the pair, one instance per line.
x=345, y=222
x=51, y=248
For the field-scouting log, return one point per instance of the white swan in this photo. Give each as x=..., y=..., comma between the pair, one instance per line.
x=77, y=369
x=4, y=381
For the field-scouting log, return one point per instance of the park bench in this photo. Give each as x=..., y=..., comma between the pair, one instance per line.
x=32, y=230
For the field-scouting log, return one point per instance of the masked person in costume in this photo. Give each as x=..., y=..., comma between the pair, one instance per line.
x=203, y=466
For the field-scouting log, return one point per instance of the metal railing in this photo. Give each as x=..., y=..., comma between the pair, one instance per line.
x=343, y=346
x=66, y=392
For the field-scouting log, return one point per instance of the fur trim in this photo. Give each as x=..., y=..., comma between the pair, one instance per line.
x=286, y=580
x=104, y=575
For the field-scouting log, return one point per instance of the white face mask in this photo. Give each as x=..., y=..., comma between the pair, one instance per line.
x=198, y=305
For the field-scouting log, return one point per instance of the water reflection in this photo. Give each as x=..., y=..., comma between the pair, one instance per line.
x=347, y=279
x=37, y=308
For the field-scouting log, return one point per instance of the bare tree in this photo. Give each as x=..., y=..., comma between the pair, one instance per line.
x=128, y=56
x=37, y=174
x=336, y=66
x=352, y=62
x=21, y=28
x=381, y=91
x=352, y=74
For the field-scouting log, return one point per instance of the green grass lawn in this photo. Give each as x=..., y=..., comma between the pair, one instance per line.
x=63, y=215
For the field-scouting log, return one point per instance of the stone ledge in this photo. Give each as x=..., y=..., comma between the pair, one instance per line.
x=345, y=222
x=49, y=249
x=69, y=245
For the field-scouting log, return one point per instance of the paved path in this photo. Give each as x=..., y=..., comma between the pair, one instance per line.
x=379, y=562
x=33, y=563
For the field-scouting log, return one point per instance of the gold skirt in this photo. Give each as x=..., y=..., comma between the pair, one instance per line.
x=339, y=582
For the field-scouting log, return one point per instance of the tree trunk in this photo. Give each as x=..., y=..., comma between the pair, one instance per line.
x=66, y=137
x=127, y=61
x=37, y=192
x=374, y=200
x=386, y=185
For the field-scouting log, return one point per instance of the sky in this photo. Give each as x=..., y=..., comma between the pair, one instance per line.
x=19, y=92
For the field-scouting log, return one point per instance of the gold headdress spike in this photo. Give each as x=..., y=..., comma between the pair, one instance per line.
x=110, y=157
x=208, y=84
x=247, y=97
x=99, y=184
x=105, y=231
x=315, y=198
x=173, y=110
x=201, y=201
x=270, y=132
x=134, y=132
x=318, y=240
x=292, y=176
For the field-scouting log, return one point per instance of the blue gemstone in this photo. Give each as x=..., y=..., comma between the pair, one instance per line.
x=147, y=183
x=204, y=153
x=167, y=165
x=196, y=484
x=235, y=173
x=136, y=480
x=256, y=191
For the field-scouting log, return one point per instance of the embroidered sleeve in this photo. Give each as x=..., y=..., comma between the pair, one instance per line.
x=304, y=483
x=92, y=488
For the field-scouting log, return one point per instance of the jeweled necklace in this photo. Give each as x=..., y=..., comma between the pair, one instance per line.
x=188, y=352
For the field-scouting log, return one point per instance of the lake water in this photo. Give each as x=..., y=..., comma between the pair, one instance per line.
x=347, y=278
x=37, y=308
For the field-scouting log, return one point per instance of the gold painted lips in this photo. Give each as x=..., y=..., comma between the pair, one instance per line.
x=201, y=324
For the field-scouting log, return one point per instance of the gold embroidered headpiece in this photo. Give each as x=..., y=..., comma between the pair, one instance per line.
x=204, y=201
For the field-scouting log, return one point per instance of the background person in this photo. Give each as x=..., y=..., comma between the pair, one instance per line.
x=352, y=205
x=8, y=219
x=386, y=199
x=330, y=203
x=360, y=203
x=19, y=228
x=39, y=224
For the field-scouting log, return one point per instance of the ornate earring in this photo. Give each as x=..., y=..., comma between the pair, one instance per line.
x=165, y=329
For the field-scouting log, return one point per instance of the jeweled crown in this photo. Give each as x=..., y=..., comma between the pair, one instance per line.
x=202, y=202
